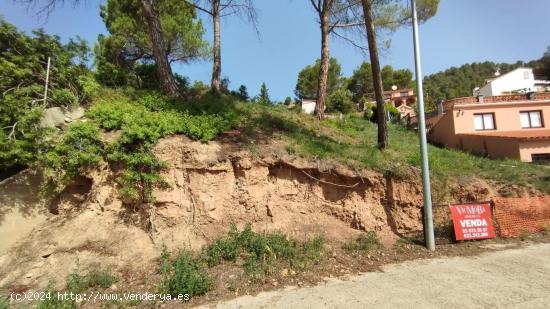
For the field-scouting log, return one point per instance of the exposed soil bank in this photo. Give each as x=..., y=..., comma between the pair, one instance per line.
x=212, y=186
x=20, y=208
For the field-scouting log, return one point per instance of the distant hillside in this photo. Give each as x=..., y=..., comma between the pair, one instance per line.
x=459, y=82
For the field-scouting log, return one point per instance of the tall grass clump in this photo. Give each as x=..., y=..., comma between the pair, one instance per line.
x=184, y=274
x=262, y=252
x=365, y=242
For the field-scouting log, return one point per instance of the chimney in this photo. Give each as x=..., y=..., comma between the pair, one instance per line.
x=440, y=109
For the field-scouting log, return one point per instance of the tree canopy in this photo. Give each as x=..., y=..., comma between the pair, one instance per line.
x=263, y=97
x=340, y=101
x=401, y=78
x=242, y=93
x=308, y=79
x=457, y=82
x=129, y=42
x=541, y=67
x=23, y=61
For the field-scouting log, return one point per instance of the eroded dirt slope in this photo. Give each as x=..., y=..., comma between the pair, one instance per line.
x=212, y=186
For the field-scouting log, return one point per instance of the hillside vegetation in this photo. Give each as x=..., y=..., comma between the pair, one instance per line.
x=122, y=127
x=460, y=81
x=352, y=140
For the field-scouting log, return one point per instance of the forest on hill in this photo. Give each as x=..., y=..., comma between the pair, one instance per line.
x=460, y=81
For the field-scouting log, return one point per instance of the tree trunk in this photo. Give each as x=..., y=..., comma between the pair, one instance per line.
x=217, y=65
x=376, y=76
x=325, y=60
x=167, y=82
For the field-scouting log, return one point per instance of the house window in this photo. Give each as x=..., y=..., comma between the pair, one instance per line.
x=484, y=121
x=541, y=158
x=526, y=75
x=404, y=94
x=531, y=119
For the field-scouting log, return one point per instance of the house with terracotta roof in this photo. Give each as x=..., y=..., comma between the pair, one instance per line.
x=403, y=100
x=506, y=126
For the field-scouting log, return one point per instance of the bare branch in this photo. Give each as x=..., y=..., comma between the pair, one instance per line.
x=363, y=49
x=351, y=3
x=45, y=7
x=196, y=5
x=12, y=133
x=12, y=88
x=317, y=6
x=348, y=25
x=223, y=6
x=245, y=10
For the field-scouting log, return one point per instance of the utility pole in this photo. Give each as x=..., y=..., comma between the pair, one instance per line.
x=426, y=190
x=47, y=80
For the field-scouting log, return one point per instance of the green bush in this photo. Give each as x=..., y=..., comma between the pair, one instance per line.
x=313, y=247
x=22, y=75
x=364, y=242
x=79, y=149
x=184, y=274
x=341, y=101
x=109, y=113
x=53, y=302
x=76, y=283
x=155, y=101
x=90, y=87
x=19, y=145
x=111, y=75
x=261, y=251
x=147, y=78
x=141, y=123
x=140, y=175
x=368, y=113
x=155, y=116
x=97, y=278
x=198, y=89
x=4, y=302
x=394, y=113
x=64, y=97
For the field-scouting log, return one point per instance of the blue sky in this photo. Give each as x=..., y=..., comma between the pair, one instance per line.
x=463, y=31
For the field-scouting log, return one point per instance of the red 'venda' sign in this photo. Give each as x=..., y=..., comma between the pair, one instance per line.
x=472, y=221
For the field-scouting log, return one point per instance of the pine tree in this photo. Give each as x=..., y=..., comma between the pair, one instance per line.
x=243, y=93
x=264, y=95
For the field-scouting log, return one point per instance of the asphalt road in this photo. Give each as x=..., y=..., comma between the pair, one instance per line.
x=515, y=278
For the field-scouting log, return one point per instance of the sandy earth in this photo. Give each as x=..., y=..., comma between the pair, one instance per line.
x=20, y=208
x=518, y=278
x=211, y=186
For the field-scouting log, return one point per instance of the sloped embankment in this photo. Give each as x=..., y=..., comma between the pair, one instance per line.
x=211, y=186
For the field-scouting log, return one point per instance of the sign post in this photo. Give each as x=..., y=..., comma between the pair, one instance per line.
x=472, y=221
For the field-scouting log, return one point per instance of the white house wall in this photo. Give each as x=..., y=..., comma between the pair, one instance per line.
x=308, y=108
x=511, y=81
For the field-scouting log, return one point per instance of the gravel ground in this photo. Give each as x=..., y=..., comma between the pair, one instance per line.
x=516, y=278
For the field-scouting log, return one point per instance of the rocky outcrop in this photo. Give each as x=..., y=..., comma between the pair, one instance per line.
x=55, y=117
